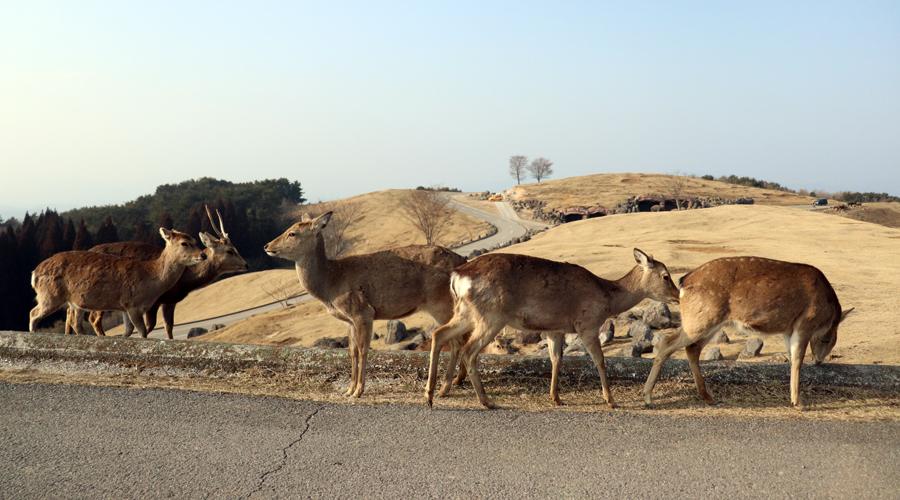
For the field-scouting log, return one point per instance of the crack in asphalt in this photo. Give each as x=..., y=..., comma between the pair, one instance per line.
x=284, y=454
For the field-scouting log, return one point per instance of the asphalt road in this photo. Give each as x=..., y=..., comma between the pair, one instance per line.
x=74, y=441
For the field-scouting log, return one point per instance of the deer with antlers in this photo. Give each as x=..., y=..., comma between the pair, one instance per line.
x=759, y=296
x=389, y=284
x=530, y=293
x=99, y=282
x=221, y=258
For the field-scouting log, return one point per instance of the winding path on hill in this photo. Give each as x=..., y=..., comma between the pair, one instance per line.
x=505, y=219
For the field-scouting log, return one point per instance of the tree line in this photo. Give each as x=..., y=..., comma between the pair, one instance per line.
x=253, y=214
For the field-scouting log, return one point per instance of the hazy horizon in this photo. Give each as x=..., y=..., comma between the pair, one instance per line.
x=101, y=102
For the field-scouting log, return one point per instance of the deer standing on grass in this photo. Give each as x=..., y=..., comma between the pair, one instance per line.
x=100, y=282
x=757, y=296
x=529, y=293
x=389, y=284
x=221, y=258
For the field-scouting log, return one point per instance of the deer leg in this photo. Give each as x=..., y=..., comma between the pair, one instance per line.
x=555, y=350
x=137, y=318
x=70, y=320
x=168, y=313
x=787, y=345
x=354, y=366
x=78, y=326
x=665, y=348
x=693, y=356
x=96, y=319
x=592, y=343
x=129, y=326
x=482, y=337
x=458, y=325
x=150, y=317
x=363, y=331
x=798, y=351
x=461, y=367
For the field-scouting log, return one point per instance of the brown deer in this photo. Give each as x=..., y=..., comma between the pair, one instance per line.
x=98, y=282
x=358, y=289
x=759, y=296
x=221, y=258
x=529, y=293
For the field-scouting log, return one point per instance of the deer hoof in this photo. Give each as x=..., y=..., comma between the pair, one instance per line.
x=490, y=405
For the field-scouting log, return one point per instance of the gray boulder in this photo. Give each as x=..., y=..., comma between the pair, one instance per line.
x=712, y=354
x=640, y=347
x=640, y=331
x=218, y=326
x=752, y=348
x=657, y=315
x=396, y=332
x=607, y=331
x=332, y=343
x=196, y=332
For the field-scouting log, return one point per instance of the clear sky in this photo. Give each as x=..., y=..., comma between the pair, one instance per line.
x=102, y=101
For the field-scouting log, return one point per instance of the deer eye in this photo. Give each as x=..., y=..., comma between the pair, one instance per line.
x=184, y=244
x=292, y=234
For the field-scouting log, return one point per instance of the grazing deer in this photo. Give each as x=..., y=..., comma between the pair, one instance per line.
x=221, y=258
x=389, y=284
x=758, y=296
x=99, y=282
x=530, y=293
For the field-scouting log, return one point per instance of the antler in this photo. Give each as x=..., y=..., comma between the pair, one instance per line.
x=220, y=231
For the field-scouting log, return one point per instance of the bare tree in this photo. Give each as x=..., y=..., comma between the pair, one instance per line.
x=347, y=214
x=678, y=183
x=517, y=165
x=540, y=168
x=427, y=210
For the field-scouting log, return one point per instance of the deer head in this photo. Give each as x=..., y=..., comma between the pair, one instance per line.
x=221, y=253
x=181, y=247
x=655, y=279
x=823, y=344
x=299, y=240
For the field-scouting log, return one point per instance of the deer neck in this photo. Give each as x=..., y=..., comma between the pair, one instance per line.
x=201, y=274
x=628, y=291
x=315, y=271
x=167, y=270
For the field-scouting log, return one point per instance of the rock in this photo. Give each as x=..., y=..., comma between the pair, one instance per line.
x=752, y=348
x=640, y=347
x=573, y=345
x=396, y=332
x=631, y=315
x=712, y=354
x=332, y=342
x=410, y=344
x=218, y=326
x=196, y=332
x=720, y=338
x=607, y=331
x=640, y=331
x=657, y=315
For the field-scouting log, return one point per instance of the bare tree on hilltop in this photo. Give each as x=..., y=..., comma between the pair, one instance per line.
x=427, y=211
x=517, y=165
x=540, y=168
x=346, y=215
x=678, y=183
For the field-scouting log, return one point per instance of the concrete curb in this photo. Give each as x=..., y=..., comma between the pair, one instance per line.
x=208, y=358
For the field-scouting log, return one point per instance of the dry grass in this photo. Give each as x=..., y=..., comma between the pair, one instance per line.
x=609, y=190
x=381, y=226
x=674, y=397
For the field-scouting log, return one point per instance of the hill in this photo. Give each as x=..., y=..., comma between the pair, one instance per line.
x=859, y=258
x=884, y=213
x=608, y=190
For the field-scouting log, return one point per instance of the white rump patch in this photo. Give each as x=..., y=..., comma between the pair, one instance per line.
x=460, y=285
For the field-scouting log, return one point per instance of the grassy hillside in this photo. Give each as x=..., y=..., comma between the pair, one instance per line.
x=859, y=259
x=609, y=190
x=884, y=213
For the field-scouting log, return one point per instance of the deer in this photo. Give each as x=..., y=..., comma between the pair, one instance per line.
x=757, y=296
x=221, y=258
x=359, y=289
x=531, y=293
x=99, y=282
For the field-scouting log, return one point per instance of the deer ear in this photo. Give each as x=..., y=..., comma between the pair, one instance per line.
x=321, y=221
x=305, y=217
x=643, y=259
x=207, y=239
x=165, y=233
x=846, y=313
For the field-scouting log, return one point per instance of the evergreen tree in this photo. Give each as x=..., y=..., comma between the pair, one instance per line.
x=83, y=239
x=69, y=235
x=108, y=233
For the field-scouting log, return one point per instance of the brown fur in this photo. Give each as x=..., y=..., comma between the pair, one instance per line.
x=100, y=282
x=389, y=284
x=757, y=295
x=529, y=293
